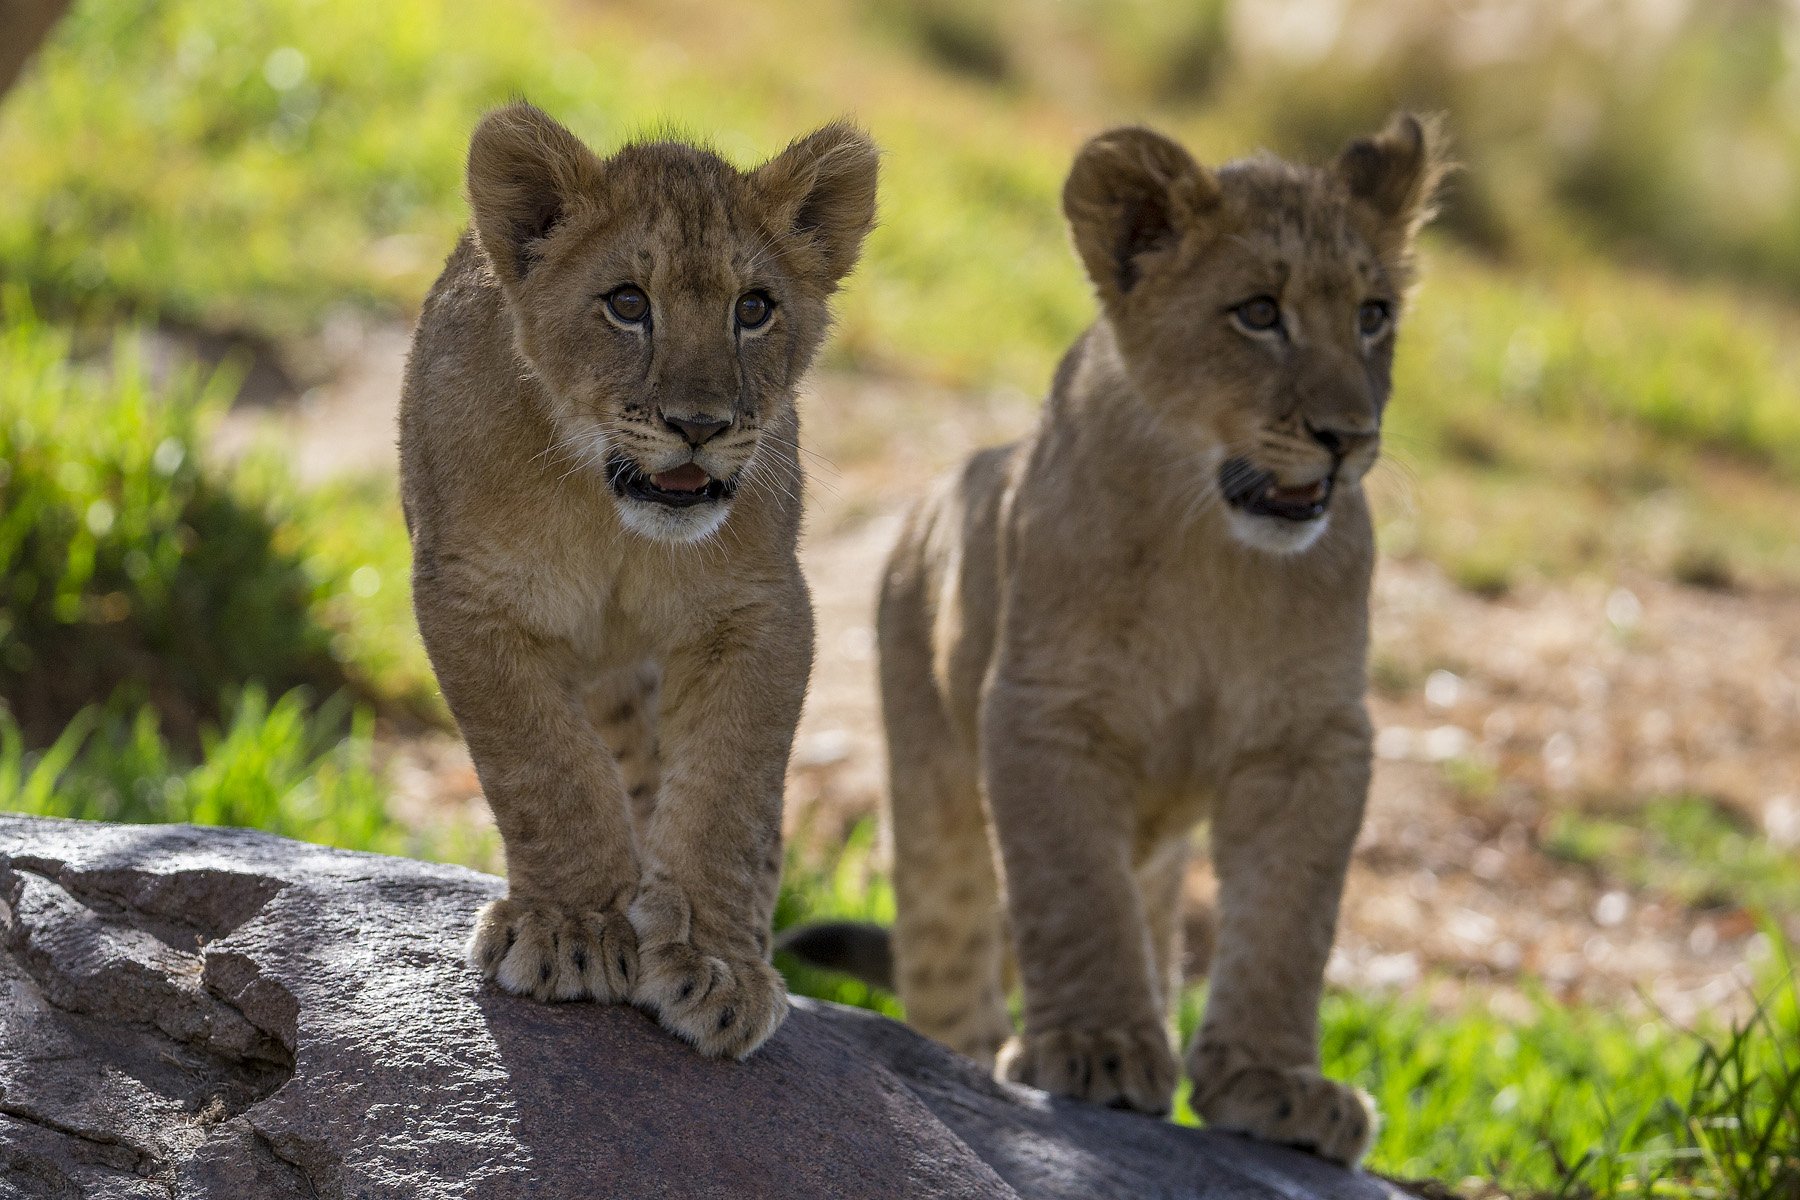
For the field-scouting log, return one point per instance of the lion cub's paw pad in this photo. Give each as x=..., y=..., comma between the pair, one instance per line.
x=552, y=953
x=1294, y=1106
x=724, y=1007
x=1128, y=1066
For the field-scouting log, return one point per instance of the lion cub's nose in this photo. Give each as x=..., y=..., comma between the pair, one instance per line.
x=697, y=430
x=1341, y=442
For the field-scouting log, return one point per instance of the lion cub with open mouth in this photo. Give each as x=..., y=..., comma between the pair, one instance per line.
x=1153, y=611
x=598, y=445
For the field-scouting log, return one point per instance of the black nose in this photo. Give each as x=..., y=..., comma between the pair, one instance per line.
x=697, y=430
x=1340, y=442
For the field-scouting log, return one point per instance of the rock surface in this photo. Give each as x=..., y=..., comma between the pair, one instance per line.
x=220, y=1013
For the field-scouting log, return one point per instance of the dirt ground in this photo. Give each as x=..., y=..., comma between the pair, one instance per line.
x=1494, y=716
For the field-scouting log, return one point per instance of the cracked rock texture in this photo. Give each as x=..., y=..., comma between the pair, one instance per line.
x=218, y=1013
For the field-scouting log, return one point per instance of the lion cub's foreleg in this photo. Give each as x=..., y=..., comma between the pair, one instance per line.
x=561, y=933
x=730, y=702
x=1094, y=1025
x=1282, y=835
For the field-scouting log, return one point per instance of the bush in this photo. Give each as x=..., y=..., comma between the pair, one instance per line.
x=129, y=569
x=283, y=767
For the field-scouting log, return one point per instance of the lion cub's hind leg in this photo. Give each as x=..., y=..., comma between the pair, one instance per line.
x=1160, y=878
x=950, y=936
x=950, y=933
x=623, y=705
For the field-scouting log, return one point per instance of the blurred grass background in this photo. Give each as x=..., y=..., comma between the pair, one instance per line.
x=1601, y=375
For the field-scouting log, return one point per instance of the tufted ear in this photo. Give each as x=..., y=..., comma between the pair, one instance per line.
x=1129, y=193
x=1396, y=174
x=822, y=189
x=526, y=173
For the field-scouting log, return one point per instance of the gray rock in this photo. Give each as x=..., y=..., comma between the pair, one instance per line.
x=219, y=1013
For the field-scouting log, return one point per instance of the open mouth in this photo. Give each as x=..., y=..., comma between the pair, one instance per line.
x=678, y=487
x=1254, y=490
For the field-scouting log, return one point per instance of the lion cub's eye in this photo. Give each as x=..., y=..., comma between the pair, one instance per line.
x=1373, y=317
x=1259, y=314
x=753, y=309
x=628, y=303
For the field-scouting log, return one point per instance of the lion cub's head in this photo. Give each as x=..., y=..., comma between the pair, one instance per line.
x=1255, y=307
x=668, y=302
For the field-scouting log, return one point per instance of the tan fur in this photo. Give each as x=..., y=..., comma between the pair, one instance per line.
x=1079, y=634
x=575, y=629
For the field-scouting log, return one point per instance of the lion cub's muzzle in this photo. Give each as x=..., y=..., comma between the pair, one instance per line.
x=678, y=487
x=1252, y=489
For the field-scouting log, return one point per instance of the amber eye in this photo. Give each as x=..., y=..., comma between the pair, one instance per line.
x=1373, y=317
x=753, y=309
x=628, y=303
x=1259, y=314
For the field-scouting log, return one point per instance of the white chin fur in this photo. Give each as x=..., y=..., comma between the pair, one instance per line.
x=1275, y=535
x=660, y=523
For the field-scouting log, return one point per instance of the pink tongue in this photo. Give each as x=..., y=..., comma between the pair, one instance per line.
x=687, y=478
x=1311, y=491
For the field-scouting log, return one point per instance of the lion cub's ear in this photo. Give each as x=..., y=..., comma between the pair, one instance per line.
x=1129, y=193
x=526, y=174
x=822, y=189
x=1397, y=174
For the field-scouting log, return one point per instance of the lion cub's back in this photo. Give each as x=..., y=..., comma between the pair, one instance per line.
x=461, y=373
x=940, y=593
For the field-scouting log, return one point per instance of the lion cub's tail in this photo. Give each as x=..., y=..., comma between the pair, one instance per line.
x=860, y=949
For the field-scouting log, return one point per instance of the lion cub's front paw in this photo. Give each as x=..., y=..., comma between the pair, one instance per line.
x=724, y=1001
x=1129, y=1066
x=724, y=1006
x=1295, y=1106
x=552, y=953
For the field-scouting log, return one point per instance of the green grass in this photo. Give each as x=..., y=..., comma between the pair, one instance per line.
x=845, y=887
x=134, y=570
x=250, y=166
x=1578, y=1101
x=286, y=767
x=1686, y=848
x=129, y=568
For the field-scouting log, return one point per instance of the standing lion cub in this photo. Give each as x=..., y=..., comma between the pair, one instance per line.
x=1153, y=611
x=598, y=444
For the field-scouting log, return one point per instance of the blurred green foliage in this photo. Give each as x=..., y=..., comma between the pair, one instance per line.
x=252, y=169
x=131, y=571
x=845, y=887
x=1687, y=848
x=1666, y=131
x=286, y=767
x=248, y=166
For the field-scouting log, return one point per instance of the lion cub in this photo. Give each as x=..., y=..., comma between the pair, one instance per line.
x=598, y=443
x=1152, y=611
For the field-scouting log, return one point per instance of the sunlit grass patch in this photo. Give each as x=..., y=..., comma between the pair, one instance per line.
x=1687, y=848
x=289, y=767
x=251, y=166
x=1588, y=418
